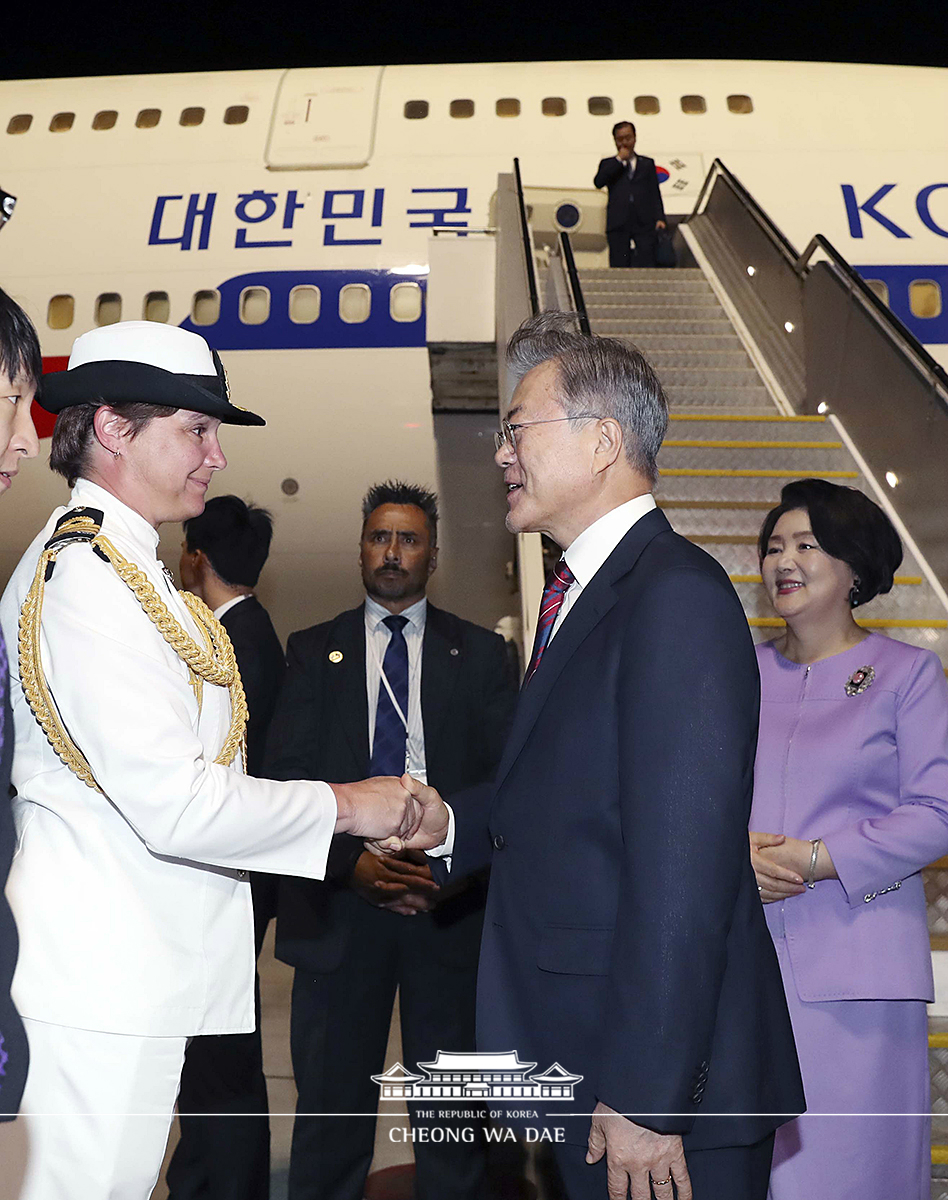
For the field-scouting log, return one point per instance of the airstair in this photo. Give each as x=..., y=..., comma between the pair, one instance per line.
x=777, y=366
x=730, y=448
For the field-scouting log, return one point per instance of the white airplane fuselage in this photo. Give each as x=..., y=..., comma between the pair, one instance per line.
x=331, y=179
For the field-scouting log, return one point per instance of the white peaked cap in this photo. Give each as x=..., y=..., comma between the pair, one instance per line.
x=166, y=346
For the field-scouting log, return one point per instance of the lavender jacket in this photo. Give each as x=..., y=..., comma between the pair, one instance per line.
x=868, y=774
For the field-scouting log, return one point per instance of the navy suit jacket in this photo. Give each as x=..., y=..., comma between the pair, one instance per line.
x=624, y=936
x=321, y=731
x=632, y=201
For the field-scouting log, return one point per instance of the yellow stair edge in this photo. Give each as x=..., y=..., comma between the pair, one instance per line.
x=775, y=417
x=729, y=473
x=699, y=444
x=939, y=1155
x=866, y=623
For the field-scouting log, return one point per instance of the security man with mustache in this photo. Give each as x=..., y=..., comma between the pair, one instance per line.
x=393, y=684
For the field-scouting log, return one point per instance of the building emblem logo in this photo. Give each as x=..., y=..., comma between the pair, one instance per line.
x=476, y=1077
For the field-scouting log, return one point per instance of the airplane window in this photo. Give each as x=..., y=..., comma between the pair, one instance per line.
x=60, y=313
x=553, y=106
x=254, y=305
x=647, y=106
x=61, y=122
x=108, y=308
x=237, y=114
x=191, y=116
x=880, y=289
x=740, y=104
x=355, y=303
x=304, y=304
x=462, y=108
x=600, y=106
x=105, y=119
x=20, y=123
x=508, y=107
x=404, y=302
x=148, y=118
x=157, y=307
x=206, y=307
x=925, y=298
x=693, y=104
x=416, y=110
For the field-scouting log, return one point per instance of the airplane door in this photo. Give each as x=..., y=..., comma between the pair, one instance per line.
x=324, y=117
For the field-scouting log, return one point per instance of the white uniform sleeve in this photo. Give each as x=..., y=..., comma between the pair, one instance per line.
x=130, y=709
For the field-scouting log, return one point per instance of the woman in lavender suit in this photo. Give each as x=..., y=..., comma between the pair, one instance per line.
x=851, y=802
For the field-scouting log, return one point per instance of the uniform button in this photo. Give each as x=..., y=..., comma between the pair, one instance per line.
x=499, y=842
x=241, y=874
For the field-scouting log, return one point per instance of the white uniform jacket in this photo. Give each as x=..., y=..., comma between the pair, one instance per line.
x=133, y=907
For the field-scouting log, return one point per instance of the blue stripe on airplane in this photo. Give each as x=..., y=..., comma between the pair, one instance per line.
x=328, y=331
x=930, y=331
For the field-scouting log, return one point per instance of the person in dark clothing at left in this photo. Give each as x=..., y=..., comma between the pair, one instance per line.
x=223, y=554
x=635, y=212
x=21, y=369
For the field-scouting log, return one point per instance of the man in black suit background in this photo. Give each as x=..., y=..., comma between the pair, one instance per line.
x=624, y=936
x=635, y=211
x=220, y=1157
x=391, y=683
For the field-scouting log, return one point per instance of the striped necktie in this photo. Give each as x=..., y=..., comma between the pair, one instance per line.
x=556, y=588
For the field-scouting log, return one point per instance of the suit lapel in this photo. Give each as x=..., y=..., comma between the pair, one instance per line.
x=347, y=637
x=596, y=599
x=440, y=663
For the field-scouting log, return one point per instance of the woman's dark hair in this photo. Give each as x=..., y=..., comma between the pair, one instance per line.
x=848, y=526
x=73, y=433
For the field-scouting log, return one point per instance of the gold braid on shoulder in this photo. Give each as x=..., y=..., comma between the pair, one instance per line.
x=217, y=664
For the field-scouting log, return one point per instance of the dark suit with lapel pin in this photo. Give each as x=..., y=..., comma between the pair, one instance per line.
x=624, y=936
x=634, y=206
x=349, y=955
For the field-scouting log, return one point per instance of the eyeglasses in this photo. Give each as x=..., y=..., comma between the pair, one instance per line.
x=506, y=435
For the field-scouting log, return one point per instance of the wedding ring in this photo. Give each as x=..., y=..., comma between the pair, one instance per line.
x=661, y=1182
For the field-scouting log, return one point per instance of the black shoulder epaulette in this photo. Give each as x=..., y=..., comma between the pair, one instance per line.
x=77, y=525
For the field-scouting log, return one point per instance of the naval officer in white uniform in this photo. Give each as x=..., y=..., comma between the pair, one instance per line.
x=136, y=824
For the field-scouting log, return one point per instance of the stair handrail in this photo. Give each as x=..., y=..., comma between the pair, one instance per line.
x=905, y=341
x=527, y=242
x=901, y=338
x=775, y=234
x=575, y=287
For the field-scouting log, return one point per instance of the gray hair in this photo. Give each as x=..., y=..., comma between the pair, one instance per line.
x=597, y=375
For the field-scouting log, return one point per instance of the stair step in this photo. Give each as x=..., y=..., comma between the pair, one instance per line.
x=681, y=397
x=661, y=360
x=685, y=274
x=798, y=462
x=611, y=305
x=713, y=323
x=630, y=319
x=649, y=343
x=716, y=378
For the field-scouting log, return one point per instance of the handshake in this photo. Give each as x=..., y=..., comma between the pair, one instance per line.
x=393, y=814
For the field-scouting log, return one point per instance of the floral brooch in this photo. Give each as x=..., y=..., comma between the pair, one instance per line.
x=860, y=679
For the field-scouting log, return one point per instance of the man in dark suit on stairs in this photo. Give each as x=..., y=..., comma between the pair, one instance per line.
x=394, y=683
x=635, y=212
x=228, y=1157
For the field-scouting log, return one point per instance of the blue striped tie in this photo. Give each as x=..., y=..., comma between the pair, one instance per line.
x=388, y=746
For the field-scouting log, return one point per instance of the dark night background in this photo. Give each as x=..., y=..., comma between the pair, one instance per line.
x=48, y=40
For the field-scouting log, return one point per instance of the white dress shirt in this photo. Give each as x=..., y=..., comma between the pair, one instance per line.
x=133, y=904
x=587, y=552
x=232, y=603
x=377, y=637
x=584, y=556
